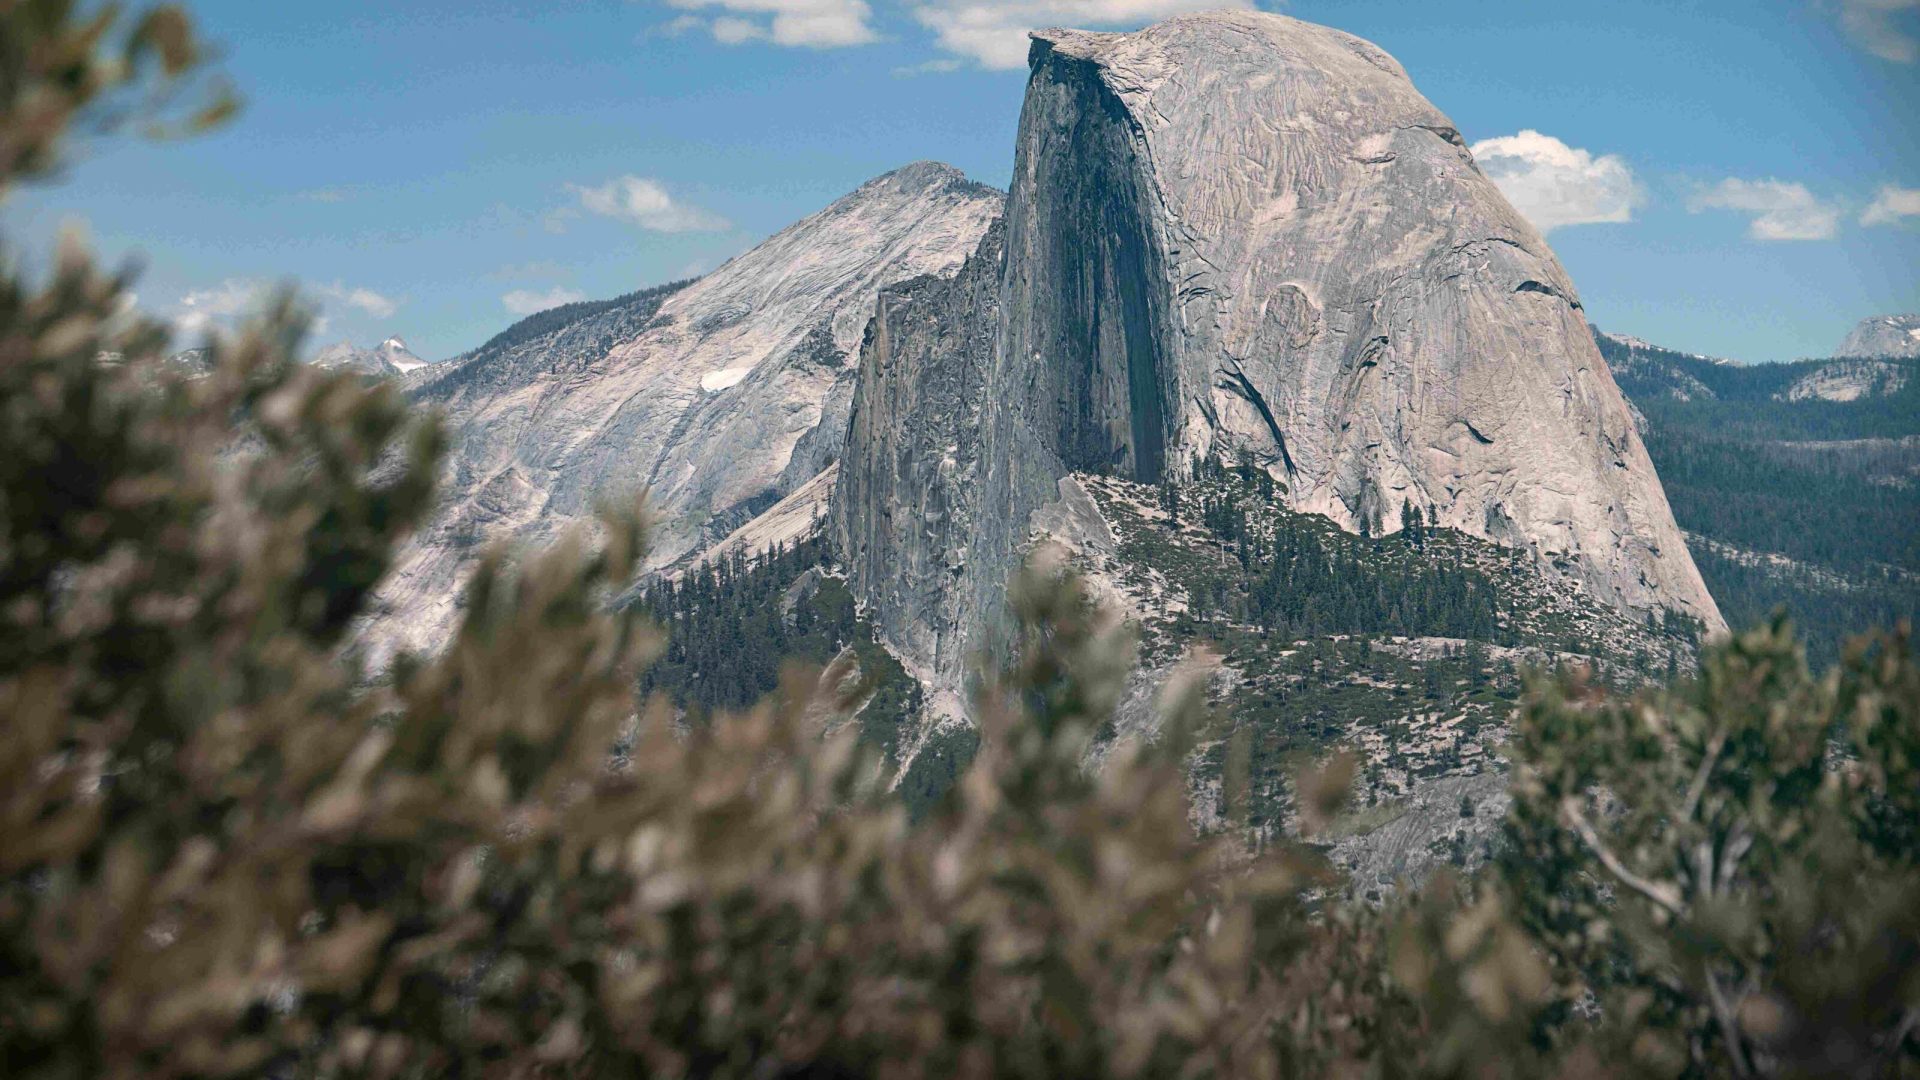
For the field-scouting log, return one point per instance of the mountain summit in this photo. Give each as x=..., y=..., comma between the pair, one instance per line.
x=1240, y=236
x=719, y=398
x=1883, y=335
x=396, y=354
x=390, y=357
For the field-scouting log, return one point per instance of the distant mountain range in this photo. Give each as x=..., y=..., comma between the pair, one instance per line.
x=1648, y=372
x=1798, y=484
x=390, y=357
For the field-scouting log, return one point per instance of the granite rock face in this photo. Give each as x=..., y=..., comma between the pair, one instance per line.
x=720, y=398
x=1240, y=234
x=1848, y=380
x=908, y=506
x=1883, y=335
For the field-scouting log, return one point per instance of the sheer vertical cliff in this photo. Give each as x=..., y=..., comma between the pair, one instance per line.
x=1237, y=233
x=908, y=508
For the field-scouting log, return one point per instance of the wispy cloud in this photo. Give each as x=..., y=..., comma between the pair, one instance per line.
x=203, y=309
x=324, y=195
x=1780, y=210
x=676, y=26
x=814, y=24
x=539, y=268
x=642, y=201
x=938, y=66
x=1889, y=29
x=1555, y=185
x=1891, y=205
x=527, y=301
x=221, y=306
x=374, y=304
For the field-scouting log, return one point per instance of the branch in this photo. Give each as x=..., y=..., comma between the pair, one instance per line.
x=1699, y=786
x=1723, y=1011
x=1664, y=895
x=1892, y=1052
x=1737, y=846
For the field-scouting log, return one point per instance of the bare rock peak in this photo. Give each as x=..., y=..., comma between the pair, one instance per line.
x=916, y=180
x=1236, y=234
x=390, y=357
x=722, y=397
x=1883, y=335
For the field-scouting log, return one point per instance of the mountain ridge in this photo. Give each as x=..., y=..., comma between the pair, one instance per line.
x=389, y=358
x=719, y=397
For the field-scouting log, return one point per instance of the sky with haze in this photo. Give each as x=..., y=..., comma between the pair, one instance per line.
x=1738, y=177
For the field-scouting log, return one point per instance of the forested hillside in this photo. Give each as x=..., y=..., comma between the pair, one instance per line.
x=1805, y=503
x=736, y=626
x=560, y=339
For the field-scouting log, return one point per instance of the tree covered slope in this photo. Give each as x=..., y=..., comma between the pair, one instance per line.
x=1798, y=484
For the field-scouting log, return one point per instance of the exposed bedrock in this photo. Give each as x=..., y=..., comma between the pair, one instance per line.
x=1241, y=233
x=908, y=506
x=1883, y=335
x=721, y=399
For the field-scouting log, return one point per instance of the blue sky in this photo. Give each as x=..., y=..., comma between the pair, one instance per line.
x=1738, y=178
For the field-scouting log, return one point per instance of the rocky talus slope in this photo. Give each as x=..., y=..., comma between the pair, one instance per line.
x=1883, y=335
x=720, y=398
x=1239, y=235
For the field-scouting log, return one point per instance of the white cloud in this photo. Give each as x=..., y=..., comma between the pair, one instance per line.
x=645, y=203
x=324, y=195
x=203, y=309
x=220, y=306
x=527, y=302
x=1885, y=28
x=993, y=33
x=1781, y=210
x=1892, y=205
x=366, y=300
x=679, y=25
x=815, y=24
x=734, y=30
x=1554, y=184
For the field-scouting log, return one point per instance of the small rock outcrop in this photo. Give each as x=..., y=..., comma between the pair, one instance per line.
x=1883, y=335
x=1848, y=380
x=720, y=398
x=1237, y=234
